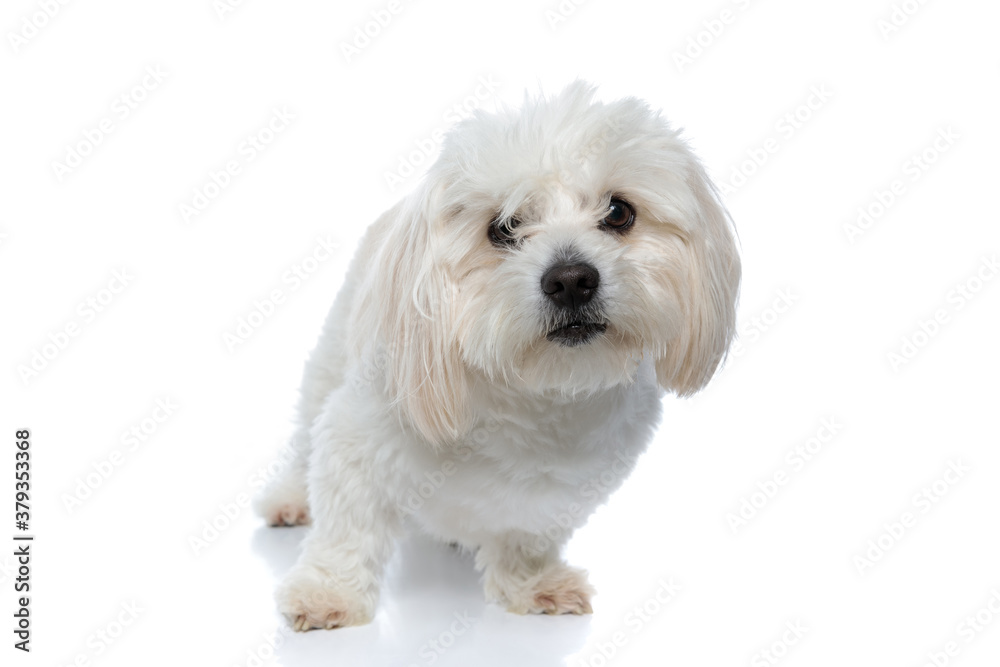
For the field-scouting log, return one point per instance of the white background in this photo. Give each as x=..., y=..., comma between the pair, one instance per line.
x=854, y=298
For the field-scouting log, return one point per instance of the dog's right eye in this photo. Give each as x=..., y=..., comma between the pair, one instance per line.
x=501, y=232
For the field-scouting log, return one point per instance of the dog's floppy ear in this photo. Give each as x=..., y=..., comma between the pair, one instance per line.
x=708, y=295
x=404, y=316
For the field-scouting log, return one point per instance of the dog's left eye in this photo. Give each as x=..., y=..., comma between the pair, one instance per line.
x=620, y=215
x=501, y=232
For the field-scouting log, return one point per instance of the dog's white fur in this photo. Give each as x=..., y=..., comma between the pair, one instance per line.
x=434, y=393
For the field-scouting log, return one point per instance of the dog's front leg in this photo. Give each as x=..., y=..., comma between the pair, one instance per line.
x=336, y=579
x=526, y=574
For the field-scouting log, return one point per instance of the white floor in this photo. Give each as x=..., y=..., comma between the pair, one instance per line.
x=433, y=612
x=675, y=584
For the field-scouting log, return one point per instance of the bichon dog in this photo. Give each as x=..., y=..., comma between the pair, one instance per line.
x=505, y=334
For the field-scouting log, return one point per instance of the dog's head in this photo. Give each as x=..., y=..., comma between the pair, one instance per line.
x=550, y=249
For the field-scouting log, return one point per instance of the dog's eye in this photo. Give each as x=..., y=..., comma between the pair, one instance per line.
x=620, y=215
x=502, y=232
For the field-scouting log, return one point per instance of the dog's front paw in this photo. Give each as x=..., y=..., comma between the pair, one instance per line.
x=311, y=597
x=560, y=590
x=283, y=505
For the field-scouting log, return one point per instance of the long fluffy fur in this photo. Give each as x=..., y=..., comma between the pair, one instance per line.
x=434, y=394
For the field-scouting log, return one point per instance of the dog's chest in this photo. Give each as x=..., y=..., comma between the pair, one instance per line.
x=529, y=463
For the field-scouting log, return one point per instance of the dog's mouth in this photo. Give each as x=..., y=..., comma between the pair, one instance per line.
x=576, y=333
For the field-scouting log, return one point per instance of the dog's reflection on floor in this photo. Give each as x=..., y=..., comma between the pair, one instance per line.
x=431, y=611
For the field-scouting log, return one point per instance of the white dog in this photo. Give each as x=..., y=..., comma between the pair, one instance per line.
x=504, y=335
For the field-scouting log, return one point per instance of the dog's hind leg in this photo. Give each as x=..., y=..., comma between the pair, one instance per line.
x=284, y=501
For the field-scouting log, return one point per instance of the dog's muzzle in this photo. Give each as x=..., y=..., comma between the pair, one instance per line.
x=570, y=287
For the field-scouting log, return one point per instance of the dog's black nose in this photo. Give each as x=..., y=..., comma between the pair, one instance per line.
x=570, y=285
